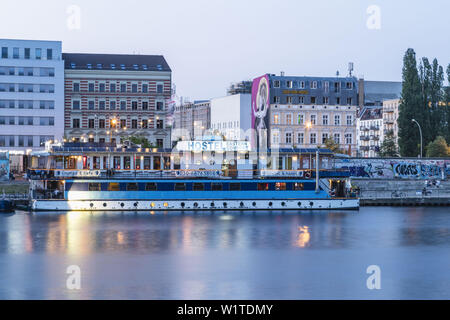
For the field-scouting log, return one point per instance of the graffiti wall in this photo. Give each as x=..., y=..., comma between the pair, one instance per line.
x=396, y=168
x=4, y=166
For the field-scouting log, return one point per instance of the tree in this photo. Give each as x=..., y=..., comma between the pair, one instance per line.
x=332, y=145
x=389, y=147
x=410, y=106
x=142, y=141
x=438, y=148
x=447, y=107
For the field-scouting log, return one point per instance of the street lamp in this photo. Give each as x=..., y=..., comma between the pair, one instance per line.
x=421, y=139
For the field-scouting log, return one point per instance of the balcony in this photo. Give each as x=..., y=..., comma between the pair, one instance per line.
x=364, y=148
x=363, y=129
x=364, y=138
x=374, y=137
x=374, y=127
x=388, y=121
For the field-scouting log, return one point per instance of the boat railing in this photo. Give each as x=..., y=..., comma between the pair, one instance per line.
x=45, y=174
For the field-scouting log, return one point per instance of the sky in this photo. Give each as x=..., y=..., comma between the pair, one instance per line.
x=211, y=43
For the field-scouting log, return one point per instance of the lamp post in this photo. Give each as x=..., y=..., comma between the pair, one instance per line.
x=421, y=138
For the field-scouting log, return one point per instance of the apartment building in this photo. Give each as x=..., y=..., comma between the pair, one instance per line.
x=31, y=94
x=390, y=118
x=370, y=131
x=191, y=119
x=303, y=112
x=109, y=97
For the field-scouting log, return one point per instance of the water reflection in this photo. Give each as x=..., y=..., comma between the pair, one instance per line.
x=217, y=255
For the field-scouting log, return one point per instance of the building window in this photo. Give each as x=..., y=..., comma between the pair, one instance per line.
x=159, y=105
x=91, y=105
x=112, y=105
x=101, y=123
x=337, y=138
x=275, y=138
x=300, y=138
x=288, y=100
x=349, y=85
x=325, y=120
x=276, y=118
x=134, y=105
x=337, y=120
x=145, y=88
x=314, y=85
x=102, y=87
x=159, y=124
x=348, y=138
x=123, y=105
x=27, y=53
x=289, y=118
x=4, y=52
x=76, y=104
x=159, y=88
x=288, y=138
x=300, y=119
x=76, y=123
x=276, y=99
x=301, y=100
x=326, y=100
x=134, y=88
x=15, y=53
x=276, y=84
x=289, y=84
x=349, y=120
x=101, y=105
x=38, y=54
x=76, y=87
x=144, y=105
x=313, y=100
x=144, y=124
x=123, y=87
x=159, y=143
x=134, y=123
x=112, y=87
x=324, y=137
x=302, y=84
x=326, y=86
x=91, y=87
x=123, y=123
x=313, y=119
x=312, y=139
x=91, y=123
x=49, y=54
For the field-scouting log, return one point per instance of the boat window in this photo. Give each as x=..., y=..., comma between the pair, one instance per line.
x=280, y=186
x=235, y=186
x=180, y=186
x=216, y=187
x=113, y=186
x=151, y=186
x=263, y=186
x=94, y=186
x=198, y=186
x=299, y=186
x=132, y=186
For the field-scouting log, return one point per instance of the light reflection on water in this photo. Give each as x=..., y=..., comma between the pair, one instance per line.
x=259, y=255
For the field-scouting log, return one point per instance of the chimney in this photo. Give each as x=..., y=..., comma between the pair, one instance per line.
x=282, y=73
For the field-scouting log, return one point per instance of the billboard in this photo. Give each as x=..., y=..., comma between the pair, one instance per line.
x=260, y=108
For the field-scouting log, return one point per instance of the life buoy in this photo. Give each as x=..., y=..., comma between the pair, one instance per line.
x=308, y=174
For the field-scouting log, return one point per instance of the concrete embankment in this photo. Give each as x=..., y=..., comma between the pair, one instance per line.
x=396, y=192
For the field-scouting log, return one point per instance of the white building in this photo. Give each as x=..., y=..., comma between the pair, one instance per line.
x=31, y=94
x=370, y=131
x=231, y=116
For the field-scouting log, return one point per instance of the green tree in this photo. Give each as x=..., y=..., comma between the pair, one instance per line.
x=411, y=107
x=438, y=148
x=447, y=107
x=389, y=147
x=332, y=145
x=140, y=140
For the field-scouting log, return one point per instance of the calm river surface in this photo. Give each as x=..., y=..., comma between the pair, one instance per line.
x=263, y=255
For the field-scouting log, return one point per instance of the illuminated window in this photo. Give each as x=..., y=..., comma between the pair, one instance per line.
x=132, y=186
x=151, y=186
x=198, y=187
x=280, y=186
x=113, y=186
x=93, y=186
x=263, y=186
x=299, y=186
x=180, y=187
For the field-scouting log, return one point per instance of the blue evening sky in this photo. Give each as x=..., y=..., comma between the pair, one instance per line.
x=211, y=43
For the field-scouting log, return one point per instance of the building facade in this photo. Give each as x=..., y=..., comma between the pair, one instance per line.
x=303, y=112
x=390, y=118
x=370, y=131
x=112, y=96
x=373, y=93
x=231, y=116
x=191, y=120
x=31, y=94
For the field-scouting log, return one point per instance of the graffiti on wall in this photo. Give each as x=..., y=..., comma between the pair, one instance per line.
x=395, y=168
x=4, y=166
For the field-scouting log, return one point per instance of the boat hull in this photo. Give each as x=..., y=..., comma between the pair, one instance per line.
x=180, y=205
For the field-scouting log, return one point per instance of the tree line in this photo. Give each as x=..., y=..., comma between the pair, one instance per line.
x=426, y=99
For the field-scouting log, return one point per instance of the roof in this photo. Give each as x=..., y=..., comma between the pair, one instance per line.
x=128, y=62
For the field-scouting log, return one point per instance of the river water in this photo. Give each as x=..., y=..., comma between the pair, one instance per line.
x=261, y=255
